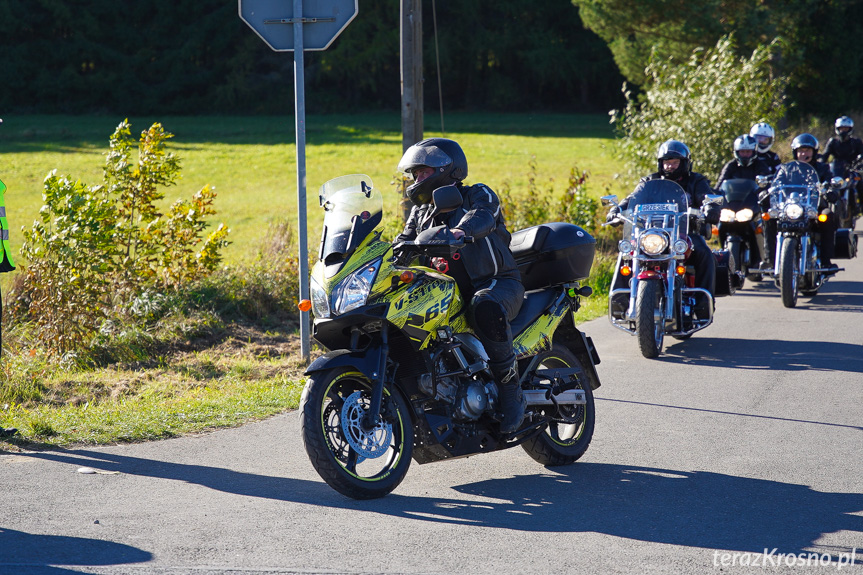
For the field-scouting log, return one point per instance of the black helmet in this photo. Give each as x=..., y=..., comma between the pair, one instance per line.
x=844, y=122
x=804, y=141
x=745, y=142
x=670, y=150
x=447, y=159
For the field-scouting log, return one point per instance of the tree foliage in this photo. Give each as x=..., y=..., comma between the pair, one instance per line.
x=95, y=249
x=817, y=38
x=706, y=102
x=197, y=56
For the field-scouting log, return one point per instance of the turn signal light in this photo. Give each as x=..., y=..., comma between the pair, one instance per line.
x=765, y=216
x=714, y=231
x=625, y=271
x=681, y=270
x=822, y=218
x=407, y=277
x=305, y=304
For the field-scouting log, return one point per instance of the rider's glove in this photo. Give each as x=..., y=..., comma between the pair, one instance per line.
x=831, y=195
x=711, y=213
x=611, y=218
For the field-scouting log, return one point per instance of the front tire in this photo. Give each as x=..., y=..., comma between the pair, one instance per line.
x=789, y=266
x=358, y=463
x=563, y=442
x=649, y=323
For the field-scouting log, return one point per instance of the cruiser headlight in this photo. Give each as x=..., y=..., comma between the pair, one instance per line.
x=624, y=246
x=653, y=243
x=353, y=291
x=793, y=211
x=727, y=215
x=744, y=215
x=680, y=246
x=320, y=302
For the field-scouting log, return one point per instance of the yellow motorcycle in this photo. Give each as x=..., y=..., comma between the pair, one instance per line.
x=406, y=378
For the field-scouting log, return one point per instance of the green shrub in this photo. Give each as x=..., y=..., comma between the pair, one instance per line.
x=705, y=102
x=96, y=252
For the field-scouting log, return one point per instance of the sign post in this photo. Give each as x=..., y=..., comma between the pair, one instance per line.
x=282, y=25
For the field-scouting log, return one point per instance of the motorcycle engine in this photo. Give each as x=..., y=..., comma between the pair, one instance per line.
x=469, y=398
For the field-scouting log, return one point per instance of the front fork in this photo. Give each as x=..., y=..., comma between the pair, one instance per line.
x=370, y=420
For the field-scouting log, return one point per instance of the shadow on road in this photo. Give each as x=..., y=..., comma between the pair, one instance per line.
x=773, y=354
x=691, y=508
x=22, y=552
x=835, y=295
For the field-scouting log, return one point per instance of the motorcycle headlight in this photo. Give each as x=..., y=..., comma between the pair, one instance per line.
x=727, y=215
x=653, y=243
x=680, y=246
x=624, y=246
x=320, y=302
x=353, y=291
x=793, y=211
x=744, y=215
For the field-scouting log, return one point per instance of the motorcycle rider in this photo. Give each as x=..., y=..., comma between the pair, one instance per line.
x=490, y=281
x=764, y=134
x=847, y=149
x=674, y=162
x=804, y=148
x=746, y=164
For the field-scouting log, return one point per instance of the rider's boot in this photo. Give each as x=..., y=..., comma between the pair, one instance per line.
x=512, y=403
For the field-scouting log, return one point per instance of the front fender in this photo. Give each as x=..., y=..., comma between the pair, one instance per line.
x=365, y=361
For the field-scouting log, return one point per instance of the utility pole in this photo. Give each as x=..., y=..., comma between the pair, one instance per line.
x=412, y=79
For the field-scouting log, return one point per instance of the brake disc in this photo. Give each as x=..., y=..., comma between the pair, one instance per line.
x=369, y=444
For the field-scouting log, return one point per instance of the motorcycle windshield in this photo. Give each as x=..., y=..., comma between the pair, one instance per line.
x=353, y=208
x=654, y=200
x=796, y=178
x=738, y=189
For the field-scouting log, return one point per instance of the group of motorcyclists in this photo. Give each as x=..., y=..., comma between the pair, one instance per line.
x=490, y=281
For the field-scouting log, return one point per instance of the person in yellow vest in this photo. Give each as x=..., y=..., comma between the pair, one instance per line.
x=6, y=265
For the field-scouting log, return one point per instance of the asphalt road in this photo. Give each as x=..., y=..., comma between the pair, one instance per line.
x=746, y=437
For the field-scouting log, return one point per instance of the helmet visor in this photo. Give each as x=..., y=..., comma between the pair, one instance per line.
x=430, y=156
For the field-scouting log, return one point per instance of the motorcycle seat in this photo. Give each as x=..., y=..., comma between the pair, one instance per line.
x=533, y=305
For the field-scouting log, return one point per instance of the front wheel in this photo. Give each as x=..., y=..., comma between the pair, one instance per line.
x=564, y=441
x=356, y=461
x=788, y=272
x=649, y=318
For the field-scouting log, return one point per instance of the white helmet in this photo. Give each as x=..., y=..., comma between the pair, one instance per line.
x=844, y=122
x=744, y=142
x=763, y=134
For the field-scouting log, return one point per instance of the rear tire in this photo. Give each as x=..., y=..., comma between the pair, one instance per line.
x=562, y=442
x=649, y=325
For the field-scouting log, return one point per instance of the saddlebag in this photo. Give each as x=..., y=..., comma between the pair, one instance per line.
x=846, y=244
x=725, y=284
x=552, y=253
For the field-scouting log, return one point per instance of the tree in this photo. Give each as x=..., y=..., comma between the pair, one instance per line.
x=706, y=102
x=816, y=37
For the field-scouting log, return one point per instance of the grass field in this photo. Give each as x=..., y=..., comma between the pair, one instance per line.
x=251, y=162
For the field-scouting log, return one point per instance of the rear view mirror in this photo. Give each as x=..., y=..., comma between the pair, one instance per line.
x=608, y=200
x=446, y=199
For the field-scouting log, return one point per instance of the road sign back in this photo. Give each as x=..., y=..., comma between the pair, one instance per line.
x=322, y=21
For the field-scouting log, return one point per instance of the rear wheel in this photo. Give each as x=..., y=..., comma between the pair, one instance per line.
x=565, y=440
x=356, y=461
x=649, y=322
x=788, y=268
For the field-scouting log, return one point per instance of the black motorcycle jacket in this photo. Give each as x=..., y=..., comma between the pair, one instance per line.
x=770, y=159
x=480, y=216
x=733, y=170
x=846, y=151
